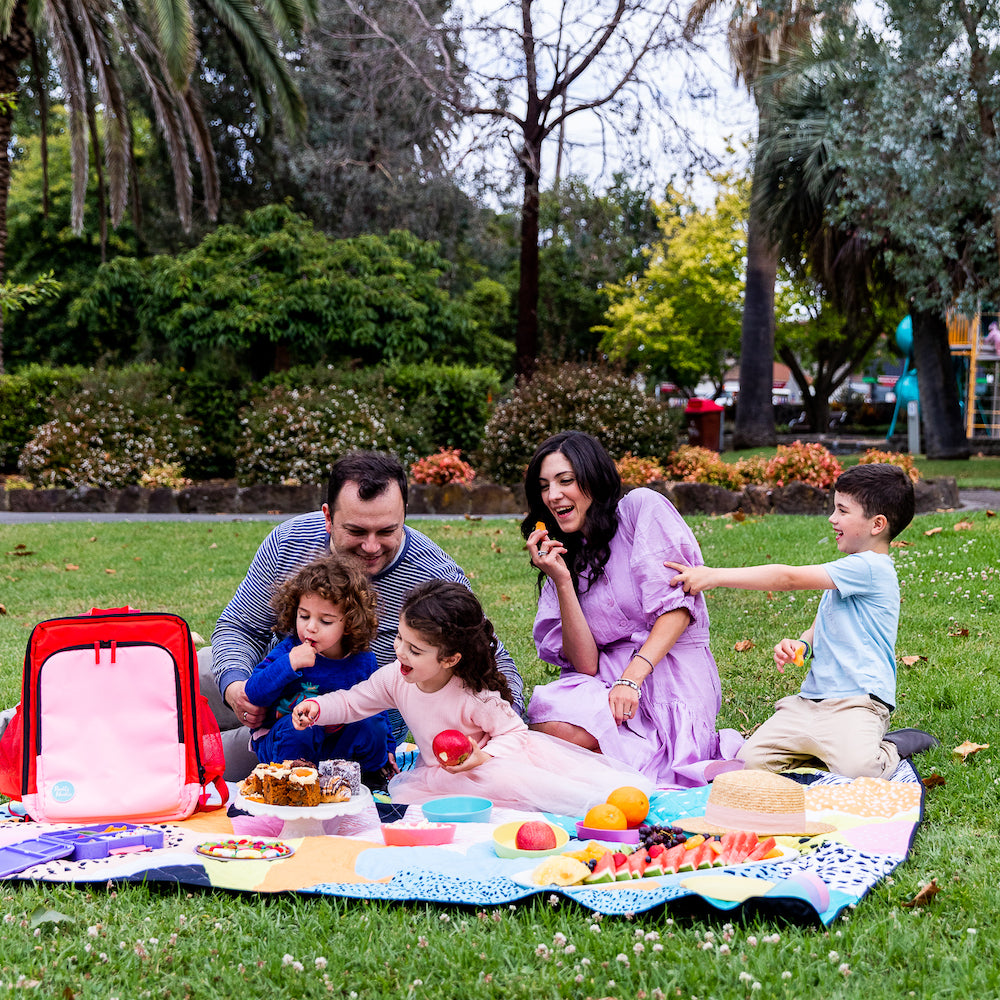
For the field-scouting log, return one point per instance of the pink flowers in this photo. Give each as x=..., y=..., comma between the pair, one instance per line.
x=803, y=462
x=446, y=466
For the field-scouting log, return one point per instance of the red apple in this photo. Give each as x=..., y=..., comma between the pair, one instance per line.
x=535, y=836
x=452, y=747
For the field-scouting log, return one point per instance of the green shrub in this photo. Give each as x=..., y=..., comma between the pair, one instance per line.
x=108, y=437
x=293, y=436
x=601, y=401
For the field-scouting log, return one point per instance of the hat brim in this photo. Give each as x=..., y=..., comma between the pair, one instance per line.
x=698, y=824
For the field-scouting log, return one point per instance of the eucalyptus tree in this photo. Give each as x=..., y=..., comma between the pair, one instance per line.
x=524, y=72
x=760, y=34
x=95, y=45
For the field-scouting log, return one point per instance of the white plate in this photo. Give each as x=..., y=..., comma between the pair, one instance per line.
x=524, y=878
x=325, y=810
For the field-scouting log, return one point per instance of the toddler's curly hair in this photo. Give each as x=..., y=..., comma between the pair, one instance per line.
x=340, y=582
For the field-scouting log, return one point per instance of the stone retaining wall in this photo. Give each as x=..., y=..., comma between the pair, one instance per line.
x=454, y=499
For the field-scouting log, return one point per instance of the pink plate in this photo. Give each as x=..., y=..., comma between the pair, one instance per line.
x=607, y=836
x=402, y=835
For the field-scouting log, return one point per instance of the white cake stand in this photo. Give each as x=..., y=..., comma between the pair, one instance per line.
x=307, y=821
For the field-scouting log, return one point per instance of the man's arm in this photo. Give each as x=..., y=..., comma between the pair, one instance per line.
x=774, y=576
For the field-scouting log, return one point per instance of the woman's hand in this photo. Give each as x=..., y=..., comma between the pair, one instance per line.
x=305, y=713
x=547, y=554
x=623, y=701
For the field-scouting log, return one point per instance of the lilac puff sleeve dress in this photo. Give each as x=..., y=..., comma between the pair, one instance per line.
x=672, y=737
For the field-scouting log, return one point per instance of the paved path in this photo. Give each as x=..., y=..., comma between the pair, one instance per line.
x=970, y=500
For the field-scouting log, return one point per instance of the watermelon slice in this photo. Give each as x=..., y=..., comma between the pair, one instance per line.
x=671, y=860
x=622, y=871
x=761, y=850
x=604, y=870
x=637, y=863
x=655, y=866
x=704, y=856
x=742, y=844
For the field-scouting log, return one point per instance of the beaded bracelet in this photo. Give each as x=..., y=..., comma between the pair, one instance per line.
x=625, y=682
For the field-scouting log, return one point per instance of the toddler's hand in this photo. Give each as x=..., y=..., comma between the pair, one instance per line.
x=694, y=579
x=477, y=757
x=305, y=713
x=302, y=656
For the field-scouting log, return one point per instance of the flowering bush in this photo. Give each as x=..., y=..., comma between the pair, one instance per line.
x=903, y=460
x=694, y=464
x=601, y=401
x=446, y=466
x=107, y=438
x=164, y=474
x=803, y=462
x=636, y=471
x=294, y=434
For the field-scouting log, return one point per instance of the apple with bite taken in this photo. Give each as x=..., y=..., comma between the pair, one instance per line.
x=534, y=836
x=452, y=747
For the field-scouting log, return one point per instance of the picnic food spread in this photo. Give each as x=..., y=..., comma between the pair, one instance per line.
x=295, y=783
x=245, y=849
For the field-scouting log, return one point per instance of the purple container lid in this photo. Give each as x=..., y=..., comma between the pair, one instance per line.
x=612, y=836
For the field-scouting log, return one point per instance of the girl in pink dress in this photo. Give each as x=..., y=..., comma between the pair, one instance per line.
x=445, y=677
x=637, y=680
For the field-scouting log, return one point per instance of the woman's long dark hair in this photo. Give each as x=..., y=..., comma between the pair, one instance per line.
x=587, y=551
x=448, y=615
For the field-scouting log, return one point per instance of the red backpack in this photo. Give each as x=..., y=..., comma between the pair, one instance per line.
x=111, y=724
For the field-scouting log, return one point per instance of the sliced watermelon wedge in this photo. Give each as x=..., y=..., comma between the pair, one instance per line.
x=671, y=859
x=762, y=850
x=637, y=863
x=604, y=870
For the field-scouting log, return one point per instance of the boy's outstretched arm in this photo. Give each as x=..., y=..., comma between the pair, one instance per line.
x=774, y=576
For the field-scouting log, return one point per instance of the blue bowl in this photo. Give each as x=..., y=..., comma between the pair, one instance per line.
x=458, y=809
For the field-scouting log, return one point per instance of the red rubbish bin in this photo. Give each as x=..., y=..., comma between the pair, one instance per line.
x=704, y=419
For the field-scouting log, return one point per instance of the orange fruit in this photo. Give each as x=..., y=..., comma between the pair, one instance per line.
x=605, y=817
x=632, y=801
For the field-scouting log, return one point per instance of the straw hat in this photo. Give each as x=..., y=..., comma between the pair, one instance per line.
x=759, y=801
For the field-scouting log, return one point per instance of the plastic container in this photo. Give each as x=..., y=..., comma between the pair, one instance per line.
x=458, y=809
x=607, y=836
x=503, y=841
x=404, y=835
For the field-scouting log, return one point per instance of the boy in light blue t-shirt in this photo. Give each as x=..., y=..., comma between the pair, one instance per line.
x=841, y=714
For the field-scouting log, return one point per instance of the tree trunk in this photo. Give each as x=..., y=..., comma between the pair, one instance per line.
x=13, y=50
x=526, y=338
x=754, y=425
x=940, y=410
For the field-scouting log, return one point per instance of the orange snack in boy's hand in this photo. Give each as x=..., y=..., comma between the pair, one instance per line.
x=539, y=525
x=800, y=655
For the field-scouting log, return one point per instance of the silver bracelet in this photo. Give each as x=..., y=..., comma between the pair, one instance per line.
x=625, y=682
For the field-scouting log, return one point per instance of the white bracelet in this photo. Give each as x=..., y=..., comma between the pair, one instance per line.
x=625, y=682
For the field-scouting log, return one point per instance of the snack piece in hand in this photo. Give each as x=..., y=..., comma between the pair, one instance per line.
x=539, y=526
x=800, y=655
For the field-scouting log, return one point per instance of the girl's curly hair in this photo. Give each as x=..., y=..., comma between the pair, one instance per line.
x=448, y=615
x=340, y=582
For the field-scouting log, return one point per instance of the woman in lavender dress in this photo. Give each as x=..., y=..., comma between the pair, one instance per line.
x=637, y=680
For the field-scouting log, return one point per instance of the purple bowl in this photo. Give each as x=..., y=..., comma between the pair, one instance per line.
x=608, y=836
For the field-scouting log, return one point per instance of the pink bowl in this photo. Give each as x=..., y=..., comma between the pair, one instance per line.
x=417, y=836
x=608, y=836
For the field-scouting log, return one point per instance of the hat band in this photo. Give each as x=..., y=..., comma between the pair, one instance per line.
x=750, y=819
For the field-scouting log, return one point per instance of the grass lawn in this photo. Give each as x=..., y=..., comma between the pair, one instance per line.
x=138, y=941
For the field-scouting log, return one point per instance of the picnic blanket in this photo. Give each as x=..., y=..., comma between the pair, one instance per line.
x=875, y=820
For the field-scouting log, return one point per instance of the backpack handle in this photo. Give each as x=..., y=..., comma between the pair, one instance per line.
x=114, y=611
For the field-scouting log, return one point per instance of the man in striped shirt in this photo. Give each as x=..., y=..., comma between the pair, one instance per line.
x=363, y=520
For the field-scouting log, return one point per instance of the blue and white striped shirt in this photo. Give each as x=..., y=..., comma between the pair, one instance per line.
x=245, y=630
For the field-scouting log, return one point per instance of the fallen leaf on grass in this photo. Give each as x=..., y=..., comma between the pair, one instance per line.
x=991, y=513
x=743, y=645
x=963, y=525
x=933, y=781
x=20, y=550
x=899, y=544
x=214, y=545
x=908, y=661
x=195, y=638
x=71, y=567
x=111, y=572
x=3, y=610
x=473, y=517
x=926, y=894
x=934, y=531
x=965, y=750
x=958, y=631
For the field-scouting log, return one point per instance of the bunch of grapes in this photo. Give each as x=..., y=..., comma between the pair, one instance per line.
x=668, y=836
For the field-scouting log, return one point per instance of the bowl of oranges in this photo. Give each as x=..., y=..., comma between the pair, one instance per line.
x=617, y=819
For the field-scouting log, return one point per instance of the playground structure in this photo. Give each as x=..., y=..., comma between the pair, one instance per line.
x=977, y=367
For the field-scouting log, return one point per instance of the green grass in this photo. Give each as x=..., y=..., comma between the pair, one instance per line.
x=138, y=941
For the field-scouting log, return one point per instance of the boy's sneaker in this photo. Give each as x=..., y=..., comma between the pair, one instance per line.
x=911, y=741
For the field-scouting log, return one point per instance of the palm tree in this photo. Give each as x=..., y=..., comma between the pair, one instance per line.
x=759, y=35
x=93, y=42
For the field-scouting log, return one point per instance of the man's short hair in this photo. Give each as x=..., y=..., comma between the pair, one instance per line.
x=880, y=488
x=370, y=471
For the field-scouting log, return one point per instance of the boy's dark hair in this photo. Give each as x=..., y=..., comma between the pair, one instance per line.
x=448, y=615
x=880, y=488
x=371, y=471
x=340, y=582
